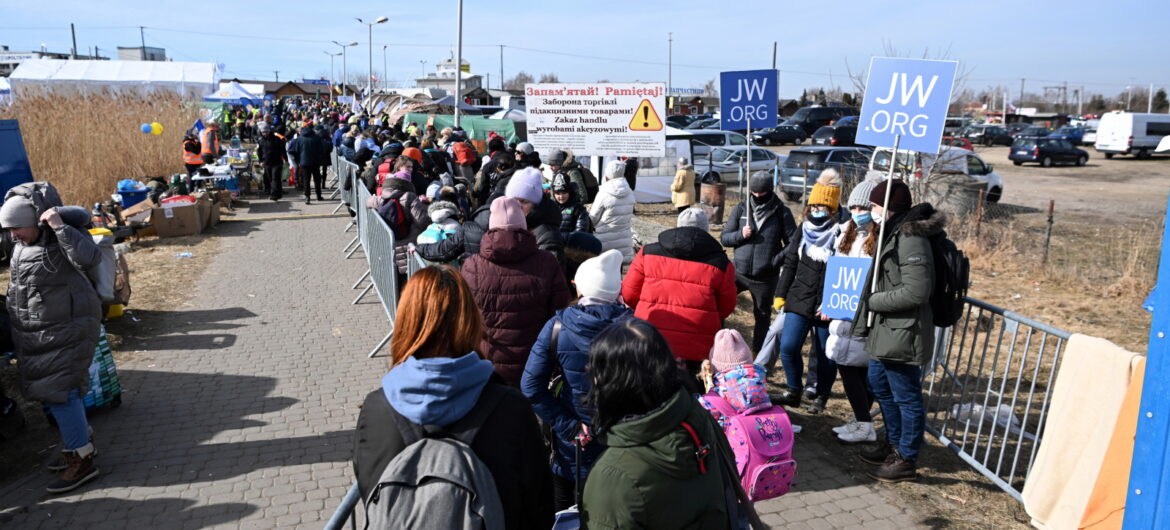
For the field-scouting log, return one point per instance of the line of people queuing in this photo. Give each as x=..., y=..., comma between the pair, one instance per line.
x=604, y=347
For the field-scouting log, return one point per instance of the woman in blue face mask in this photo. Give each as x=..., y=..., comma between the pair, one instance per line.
x=857, y=239
x=799, y=290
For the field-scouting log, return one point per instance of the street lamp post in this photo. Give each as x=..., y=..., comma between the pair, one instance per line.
x=370, y=64
x=384, y=74
x=458, y=61
x=422, y=67
x=332, y=78
x=344, y=66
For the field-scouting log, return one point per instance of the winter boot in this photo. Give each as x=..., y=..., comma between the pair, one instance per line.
x=80, y=470
x=56, y=459
x=818, y=404
x=877, y=454
x=895, y=469
x=863, y=433
x=788, y=398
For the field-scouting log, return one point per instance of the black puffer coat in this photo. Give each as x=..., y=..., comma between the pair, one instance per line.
x=543, y=221
x=802, y=279
x=760, y=255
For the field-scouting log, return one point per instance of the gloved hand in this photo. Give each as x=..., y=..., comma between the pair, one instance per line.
x=777, y=303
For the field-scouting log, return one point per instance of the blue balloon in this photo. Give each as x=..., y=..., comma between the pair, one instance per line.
x=145, y=128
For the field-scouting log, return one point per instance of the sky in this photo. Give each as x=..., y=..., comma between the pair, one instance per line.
x=998, y=43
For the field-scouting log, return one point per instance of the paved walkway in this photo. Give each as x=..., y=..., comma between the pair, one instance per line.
x=241, y=416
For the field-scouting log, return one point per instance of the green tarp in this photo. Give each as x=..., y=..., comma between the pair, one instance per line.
x=477, y=127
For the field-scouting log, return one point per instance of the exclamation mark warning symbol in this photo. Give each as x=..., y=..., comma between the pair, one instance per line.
x=645, y=118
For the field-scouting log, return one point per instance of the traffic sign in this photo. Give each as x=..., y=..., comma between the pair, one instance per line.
x=907, y=98
x=748, y=95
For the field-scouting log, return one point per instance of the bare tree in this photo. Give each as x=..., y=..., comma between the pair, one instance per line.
x=518, y=81
x=549, y=78
x=859, y=77
x=711, y=88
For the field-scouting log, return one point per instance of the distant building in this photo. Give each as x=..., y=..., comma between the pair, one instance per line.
x=141, y=53
x=9, y=59
x=444, y=77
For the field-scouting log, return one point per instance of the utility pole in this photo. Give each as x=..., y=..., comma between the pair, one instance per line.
x=1128, y=96
x=501, y=67
x=1150, y=100
x=1021, y=102
x=669, y=67
x=385, y=75
x=1080, y=101
x=458, y=60
x=773, y=55
x=276, y=74
x=73, y=32
x=142, y=35
x=1064, y=97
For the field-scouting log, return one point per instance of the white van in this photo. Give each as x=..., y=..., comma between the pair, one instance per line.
x=1131, y=133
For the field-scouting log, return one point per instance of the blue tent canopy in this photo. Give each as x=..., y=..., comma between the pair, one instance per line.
x=233, y=94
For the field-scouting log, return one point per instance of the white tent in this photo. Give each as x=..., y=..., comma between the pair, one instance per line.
x=517, y=116
x=234, y=94
x=192, y=80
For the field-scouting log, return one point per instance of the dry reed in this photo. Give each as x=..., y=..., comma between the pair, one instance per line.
x=85, y=143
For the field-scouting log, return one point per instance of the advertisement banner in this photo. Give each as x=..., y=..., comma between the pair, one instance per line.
x=597, y=119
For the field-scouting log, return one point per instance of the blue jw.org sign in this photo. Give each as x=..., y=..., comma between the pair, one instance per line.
x=749, y=95
x=907, y=98
x=844, y=281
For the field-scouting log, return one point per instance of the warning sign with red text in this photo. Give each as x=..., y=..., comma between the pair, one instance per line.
x=597, y=119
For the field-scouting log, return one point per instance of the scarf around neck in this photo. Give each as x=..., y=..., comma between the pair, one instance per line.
x=762, y=211
x=817, y=240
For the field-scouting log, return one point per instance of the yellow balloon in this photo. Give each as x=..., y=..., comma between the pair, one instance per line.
x=156, y=128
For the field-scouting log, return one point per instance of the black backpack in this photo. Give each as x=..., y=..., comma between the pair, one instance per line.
x=952, y=276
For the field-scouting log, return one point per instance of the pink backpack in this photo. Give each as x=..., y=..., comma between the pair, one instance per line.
x=762, y=442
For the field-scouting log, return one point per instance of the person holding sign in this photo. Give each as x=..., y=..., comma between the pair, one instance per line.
x=901, y=332
x=799, y=291
x=857, y=239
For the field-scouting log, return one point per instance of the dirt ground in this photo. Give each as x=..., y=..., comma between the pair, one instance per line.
x=1105, y=244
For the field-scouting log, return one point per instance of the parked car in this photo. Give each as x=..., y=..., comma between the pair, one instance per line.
x=702, y=141
x=850, y=121
x=1033, y=131
x=780, y=134
x=851, y=162
x=958, y=141
x=1090, y=136
x=1131, y=133
x=725, y=163
x=1075, y=135
x=836, y=135
x=986, y=135
x=1047, y=151
x=949, y=160
x=705, y=123
x=812, y=118
x=954, y=124
x=1016, y=126
x=679, y=121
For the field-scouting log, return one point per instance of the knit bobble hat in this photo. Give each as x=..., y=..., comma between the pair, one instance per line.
x=729, y=350
x=827, y=190
x=900, y=200
x=696, y=217
x=601, y=277
x=525, y=184
x=506, y=213
x=860, y=194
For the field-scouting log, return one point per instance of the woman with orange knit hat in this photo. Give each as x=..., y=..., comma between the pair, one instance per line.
x=798, y=292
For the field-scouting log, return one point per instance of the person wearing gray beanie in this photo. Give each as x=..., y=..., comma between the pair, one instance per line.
x=18, y=212
x=860, y=194
x=695, y=217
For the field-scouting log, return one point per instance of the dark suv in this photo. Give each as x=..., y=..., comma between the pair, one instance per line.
x=1047, y=151
x=835, y=135
x=851, y=162
x=812, y=118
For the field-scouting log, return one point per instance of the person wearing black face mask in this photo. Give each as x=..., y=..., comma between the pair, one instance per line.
x=799, y=293
x=759, y=230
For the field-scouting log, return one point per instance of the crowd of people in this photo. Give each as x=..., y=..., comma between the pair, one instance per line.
x=593, y=357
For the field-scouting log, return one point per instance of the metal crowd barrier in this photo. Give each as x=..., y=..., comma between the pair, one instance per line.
x=987, y=390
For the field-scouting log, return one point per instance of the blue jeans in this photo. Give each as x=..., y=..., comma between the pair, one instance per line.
x=71, y=420
x=898, y=390
x=795, y=329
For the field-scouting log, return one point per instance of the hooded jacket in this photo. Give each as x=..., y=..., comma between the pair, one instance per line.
x=903, y=325
x=311, y=150
x=760, y=255
x=612, y=214
x=543, y=221
x=682, y=188
x=54, y=311
x=574, y=217
x=518, y=287
x=444, y=216
x=271, y=149
x=685, y=286
x=416, y=210
x=563, y=413
x=649, y=477
x=440, y=391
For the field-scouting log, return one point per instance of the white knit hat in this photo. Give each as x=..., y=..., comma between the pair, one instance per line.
x=601, y=277
x=615, y=169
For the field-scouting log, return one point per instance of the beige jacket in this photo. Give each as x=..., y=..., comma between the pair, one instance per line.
x=682, y=190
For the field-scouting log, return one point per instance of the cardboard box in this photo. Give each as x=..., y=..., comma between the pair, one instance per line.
x=208, y=211
x=177, y=221
x=139, y=213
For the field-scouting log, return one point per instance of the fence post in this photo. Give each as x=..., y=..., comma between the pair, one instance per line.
x=1048, y=232
x=1148, y=500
